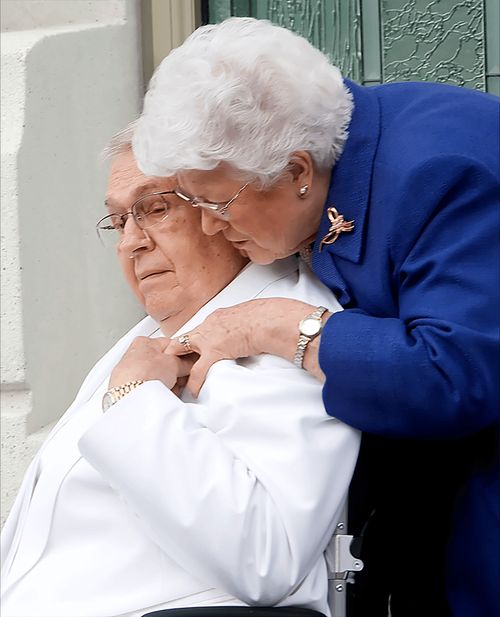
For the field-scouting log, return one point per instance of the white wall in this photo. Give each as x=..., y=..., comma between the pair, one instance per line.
x=71, y=77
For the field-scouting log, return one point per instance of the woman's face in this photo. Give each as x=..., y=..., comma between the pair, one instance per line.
x=174, y=268
x=263, y=225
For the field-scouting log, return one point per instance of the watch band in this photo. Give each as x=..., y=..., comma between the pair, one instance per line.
x=305, y=339
x=113, y=395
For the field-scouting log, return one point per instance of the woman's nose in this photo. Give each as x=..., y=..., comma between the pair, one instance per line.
x=210, y=224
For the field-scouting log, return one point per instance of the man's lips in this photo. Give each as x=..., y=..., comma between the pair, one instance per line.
x=145, y=275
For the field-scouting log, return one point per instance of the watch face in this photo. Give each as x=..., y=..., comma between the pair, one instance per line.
x=310, y=326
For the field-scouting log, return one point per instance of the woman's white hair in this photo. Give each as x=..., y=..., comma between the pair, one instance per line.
x=247, y=93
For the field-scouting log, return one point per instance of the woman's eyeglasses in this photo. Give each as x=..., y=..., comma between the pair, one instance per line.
x=220, y=211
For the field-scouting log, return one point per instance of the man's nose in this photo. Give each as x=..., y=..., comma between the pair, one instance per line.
x=210, y=224
x=134, y=238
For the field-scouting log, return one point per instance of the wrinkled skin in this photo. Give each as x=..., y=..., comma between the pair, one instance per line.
x=267, y=325
x=173, y=269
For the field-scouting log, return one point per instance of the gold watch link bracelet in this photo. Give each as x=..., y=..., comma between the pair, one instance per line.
x=113, y=395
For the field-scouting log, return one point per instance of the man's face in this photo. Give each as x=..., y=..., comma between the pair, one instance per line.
x=173, y=268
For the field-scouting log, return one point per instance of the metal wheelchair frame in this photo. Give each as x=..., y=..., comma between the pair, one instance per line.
x=341, y=564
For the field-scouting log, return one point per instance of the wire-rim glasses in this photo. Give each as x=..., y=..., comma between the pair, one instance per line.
x=148, y=211
x=219, y=210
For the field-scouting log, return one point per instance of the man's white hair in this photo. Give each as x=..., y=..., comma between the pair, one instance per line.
x=244, y=92
x=120, y=142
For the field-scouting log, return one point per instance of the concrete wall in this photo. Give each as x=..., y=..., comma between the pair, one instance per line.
x=71, y=77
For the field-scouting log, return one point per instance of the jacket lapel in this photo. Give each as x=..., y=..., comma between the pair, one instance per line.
x=349, y=191
x=15, y=525
x=104, y=366
x=251, y=282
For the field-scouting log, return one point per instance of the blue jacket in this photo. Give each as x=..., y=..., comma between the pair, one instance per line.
x=414, y=358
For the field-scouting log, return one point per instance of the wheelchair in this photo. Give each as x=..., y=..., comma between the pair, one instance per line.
x=341, y=565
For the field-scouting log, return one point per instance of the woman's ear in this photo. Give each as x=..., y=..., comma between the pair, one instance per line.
x=301, y=168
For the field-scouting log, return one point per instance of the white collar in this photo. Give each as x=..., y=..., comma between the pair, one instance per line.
x=248, y=284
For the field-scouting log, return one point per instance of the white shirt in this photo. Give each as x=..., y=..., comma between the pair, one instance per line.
x=166, y=503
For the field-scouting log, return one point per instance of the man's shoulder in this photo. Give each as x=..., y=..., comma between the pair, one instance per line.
x=294, y=279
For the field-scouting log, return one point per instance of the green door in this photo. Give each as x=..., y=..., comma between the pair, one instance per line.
x=376, y=41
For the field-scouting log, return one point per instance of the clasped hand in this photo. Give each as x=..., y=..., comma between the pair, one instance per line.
x=148, y=359
x=263, y=325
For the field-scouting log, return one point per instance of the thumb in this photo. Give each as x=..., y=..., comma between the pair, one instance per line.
x=185, y=364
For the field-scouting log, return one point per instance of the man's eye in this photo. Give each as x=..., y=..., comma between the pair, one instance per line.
x=156, y=208
x=159, y=209
x=156, y=211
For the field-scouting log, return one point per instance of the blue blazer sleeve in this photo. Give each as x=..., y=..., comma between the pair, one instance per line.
x=432, y=371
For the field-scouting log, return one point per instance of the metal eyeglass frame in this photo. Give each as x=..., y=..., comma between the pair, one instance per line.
x=217, y=209
x=131, y=212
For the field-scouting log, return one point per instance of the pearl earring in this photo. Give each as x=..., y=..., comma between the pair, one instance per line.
x=303, y=190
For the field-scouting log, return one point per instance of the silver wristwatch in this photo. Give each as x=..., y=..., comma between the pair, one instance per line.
x=113, y=395
x=309, y=328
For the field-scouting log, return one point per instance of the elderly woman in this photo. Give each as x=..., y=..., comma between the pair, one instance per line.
x=392, y=194
x=161, y=502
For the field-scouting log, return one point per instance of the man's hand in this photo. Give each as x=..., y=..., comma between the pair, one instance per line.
x=145, y=360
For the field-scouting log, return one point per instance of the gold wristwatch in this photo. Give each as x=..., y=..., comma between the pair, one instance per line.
x=113, y=395
x=309, y=328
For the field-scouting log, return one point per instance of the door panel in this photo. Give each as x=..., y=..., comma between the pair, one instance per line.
x=375, y=41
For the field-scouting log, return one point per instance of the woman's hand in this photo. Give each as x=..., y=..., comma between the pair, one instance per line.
x=267, y=325
x=146, y=360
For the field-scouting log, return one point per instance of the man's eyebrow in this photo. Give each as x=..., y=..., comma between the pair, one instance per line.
x=135, y=194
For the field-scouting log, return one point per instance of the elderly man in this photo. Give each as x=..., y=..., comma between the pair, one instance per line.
x=165, y=501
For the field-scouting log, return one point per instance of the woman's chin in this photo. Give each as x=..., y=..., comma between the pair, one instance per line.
x=259, y=255
x=260, y=258
x=243, y=253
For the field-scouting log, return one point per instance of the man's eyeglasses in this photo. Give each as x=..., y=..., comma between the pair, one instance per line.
x=220, y=211
x=147, y=212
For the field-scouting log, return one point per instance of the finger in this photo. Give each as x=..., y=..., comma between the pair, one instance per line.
x=161, y=343
x=198, y=375
x=178, y=348
x=179, y=386
x=185, y=364
x=172, y=348
x=140, y=343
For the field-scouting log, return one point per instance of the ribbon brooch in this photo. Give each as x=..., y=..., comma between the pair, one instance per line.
x=338, y=225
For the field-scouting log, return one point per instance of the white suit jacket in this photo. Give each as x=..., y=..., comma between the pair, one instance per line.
x=163, y=502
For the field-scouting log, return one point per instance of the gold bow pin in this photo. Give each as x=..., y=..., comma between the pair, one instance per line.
x=338, y=225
